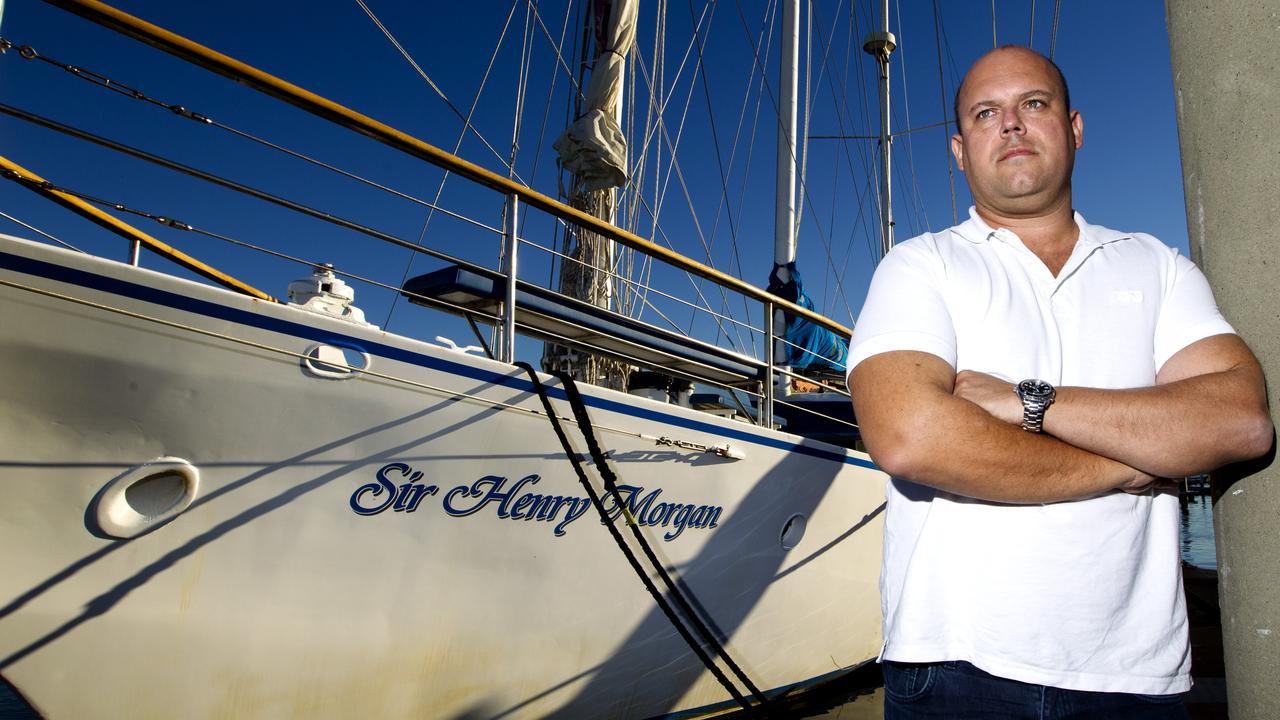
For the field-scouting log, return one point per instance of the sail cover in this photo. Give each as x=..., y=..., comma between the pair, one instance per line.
x=809, y=346
x=594, y=148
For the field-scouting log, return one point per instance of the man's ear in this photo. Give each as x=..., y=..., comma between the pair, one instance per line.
x=957, y=150
x=1077, y=127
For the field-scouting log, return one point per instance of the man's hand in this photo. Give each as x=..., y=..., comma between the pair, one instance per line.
x=997, y=397
x=1155, y=486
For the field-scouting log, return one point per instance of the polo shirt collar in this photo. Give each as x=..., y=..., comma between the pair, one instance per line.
x=977, y=231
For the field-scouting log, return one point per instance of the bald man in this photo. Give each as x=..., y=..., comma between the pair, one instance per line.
x=1027, y=379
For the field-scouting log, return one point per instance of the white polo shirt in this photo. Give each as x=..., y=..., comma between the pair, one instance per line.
x=1083, y=595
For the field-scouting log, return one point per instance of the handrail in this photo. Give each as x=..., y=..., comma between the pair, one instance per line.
x=261, y=81
x=129, y=232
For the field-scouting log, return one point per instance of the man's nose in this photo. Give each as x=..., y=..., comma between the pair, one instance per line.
x=1011, y=123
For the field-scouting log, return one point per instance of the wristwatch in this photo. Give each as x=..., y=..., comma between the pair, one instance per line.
x=1036, y=396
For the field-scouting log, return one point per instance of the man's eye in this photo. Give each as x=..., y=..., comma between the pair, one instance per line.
x=984, y=114
x=1037, y=104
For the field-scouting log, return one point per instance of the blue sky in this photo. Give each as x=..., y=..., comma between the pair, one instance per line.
x=1115, y=56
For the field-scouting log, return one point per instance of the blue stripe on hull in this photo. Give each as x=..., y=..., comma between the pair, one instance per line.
x=124, y=288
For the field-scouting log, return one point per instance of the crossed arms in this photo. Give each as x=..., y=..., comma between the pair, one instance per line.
x=961, y=433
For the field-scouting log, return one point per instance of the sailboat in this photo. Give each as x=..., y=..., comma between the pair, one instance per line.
x=220, y=502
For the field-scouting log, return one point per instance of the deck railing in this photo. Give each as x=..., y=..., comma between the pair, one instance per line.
x=515, y=193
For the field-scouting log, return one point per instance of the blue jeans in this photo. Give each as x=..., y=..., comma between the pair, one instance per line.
x=957, y=690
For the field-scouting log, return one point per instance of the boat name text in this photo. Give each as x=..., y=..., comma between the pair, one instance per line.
x=397, y=488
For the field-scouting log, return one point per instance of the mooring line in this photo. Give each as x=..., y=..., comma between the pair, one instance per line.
x=610, y=482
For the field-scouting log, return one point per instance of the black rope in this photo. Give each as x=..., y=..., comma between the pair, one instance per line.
x=640, y=572
x=611, y=485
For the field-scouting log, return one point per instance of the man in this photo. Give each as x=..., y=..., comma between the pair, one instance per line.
x=1031, y=562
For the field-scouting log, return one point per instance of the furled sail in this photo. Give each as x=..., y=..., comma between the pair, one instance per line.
x=593, y=148
x=808, y=346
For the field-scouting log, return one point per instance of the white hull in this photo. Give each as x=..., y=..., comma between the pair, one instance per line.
x=270, y=597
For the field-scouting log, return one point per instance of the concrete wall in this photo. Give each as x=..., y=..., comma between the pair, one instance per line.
x=1226, y=73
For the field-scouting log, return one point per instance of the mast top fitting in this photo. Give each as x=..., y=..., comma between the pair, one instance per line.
x=880, y=43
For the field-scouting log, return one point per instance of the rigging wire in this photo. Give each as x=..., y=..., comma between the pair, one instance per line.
x=994, y=44
x=870, y=168
x=1053, y=35
x=660, y=131
x=628, y=213
x=626, y=281
x=34, y=229
x=466, y=120
x=844, y=115
x=174, y=223
x=1031, y=34
x=216, y=180
x=920, y=210
x=542, y=128
x=462, y=134
x=98, y=80
x=560, y=232
x=774, y=103
x=715, y=142
x=659, y=99
x=558, y=47
x=839, y=291
x=808, y=115
x=764, y=39
x=942, y=93
x=522, y=86
x=841, y=102
x=673, y=167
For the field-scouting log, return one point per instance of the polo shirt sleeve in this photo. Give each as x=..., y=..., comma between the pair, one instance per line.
x=1188, y=313
x=905, y=307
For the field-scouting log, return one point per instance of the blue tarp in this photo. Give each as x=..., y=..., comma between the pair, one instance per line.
x=810, y=346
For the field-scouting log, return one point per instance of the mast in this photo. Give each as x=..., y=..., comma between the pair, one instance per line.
x=784, y=216
x=880, y=44
x=784, y=208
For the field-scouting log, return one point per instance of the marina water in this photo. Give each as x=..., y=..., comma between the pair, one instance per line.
x=1197, y=532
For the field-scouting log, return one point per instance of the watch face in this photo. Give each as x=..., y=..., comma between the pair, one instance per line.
x=1035, y=389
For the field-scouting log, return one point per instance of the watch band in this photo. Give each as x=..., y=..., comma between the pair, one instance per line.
x=1033, y=415
x=1036, y=396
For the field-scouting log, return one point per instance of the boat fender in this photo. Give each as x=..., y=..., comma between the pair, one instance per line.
x=144, y=497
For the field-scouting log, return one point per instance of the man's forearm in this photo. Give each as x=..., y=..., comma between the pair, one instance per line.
x=1182, y=428
x=916, y=429
x=1207, y=408
x=970, y=453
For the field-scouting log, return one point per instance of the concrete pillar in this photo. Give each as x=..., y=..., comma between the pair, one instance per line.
x=1226, y=75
